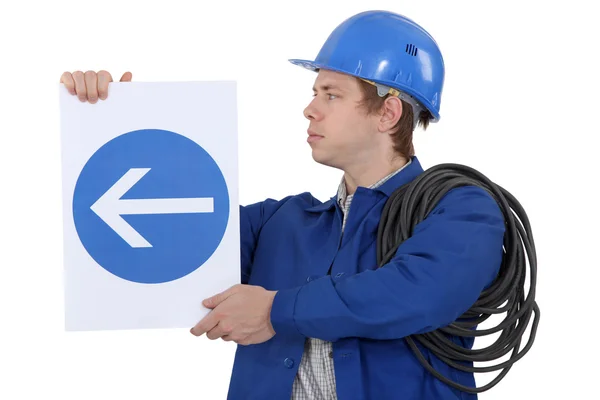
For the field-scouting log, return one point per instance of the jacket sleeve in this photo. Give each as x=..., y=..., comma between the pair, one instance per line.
x=252, y=219
x=436, y=275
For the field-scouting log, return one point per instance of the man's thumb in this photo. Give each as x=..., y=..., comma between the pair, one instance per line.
x=126, y=77
x=211, y=302
x=217, y=299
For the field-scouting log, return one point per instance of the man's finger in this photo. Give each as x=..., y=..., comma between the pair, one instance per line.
x=67, y=80
x=91, y=83
x=80, y=88
x=214, y=333
x=221, y=330
x=206, y=324
x=104, y=78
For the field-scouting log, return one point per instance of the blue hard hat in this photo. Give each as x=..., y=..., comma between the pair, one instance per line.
x=386, y=49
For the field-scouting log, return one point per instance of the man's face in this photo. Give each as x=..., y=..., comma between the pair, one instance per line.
x=341, y=134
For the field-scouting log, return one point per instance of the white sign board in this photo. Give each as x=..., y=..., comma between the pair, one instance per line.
x=150, y=203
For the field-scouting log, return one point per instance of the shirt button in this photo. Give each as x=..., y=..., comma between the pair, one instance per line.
x=311, y=278
x=331, y=354
x=288, y=362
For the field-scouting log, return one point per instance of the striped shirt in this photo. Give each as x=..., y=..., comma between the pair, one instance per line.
x=316, y=378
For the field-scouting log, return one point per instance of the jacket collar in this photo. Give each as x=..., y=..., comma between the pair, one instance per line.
x=329, y=204
x=403, y=177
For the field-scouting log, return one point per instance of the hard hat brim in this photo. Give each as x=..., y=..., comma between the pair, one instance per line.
x=315, y=66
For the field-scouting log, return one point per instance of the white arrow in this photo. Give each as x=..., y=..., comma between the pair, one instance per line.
x=109, y=207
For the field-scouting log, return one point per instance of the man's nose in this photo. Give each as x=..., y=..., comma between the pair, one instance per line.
x=311, y=112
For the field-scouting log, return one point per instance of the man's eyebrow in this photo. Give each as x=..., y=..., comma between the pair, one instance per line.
x=327, y=87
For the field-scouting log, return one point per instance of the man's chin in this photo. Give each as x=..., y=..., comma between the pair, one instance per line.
x=323, y=160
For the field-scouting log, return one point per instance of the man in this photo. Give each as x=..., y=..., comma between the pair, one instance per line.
x=315, y=317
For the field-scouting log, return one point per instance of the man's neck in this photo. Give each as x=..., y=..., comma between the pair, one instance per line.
x=367, y=175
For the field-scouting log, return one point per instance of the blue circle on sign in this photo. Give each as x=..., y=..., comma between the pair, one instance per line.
x=151, y=206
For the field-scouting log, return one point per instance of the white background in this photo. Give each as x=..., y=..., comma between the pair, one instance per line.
x=519, y=105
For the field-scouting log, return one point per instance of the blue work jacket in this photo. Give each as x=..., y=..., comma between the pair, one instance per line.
x=289, y=245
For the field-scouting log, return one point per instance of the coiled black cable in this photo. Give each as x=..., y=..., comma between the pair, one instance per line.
x=409, y=205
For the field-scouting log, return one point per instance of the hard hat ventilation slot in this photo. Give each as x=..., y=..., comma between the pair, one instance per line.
x=411, y=49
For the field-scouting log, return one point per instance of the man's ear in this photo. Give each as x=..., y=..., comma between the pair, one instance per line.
x=390, y=113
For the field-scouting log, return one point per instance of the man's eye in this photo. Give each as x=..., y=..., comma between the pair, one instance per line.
x=329, y=95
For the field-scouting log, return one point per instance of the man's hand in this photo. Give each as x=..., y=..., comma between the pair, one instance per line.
x=241, y=314
x=90, y=86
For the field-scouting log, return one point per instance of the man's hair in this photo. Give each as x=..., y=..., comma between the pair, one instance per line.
x=402, y=135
